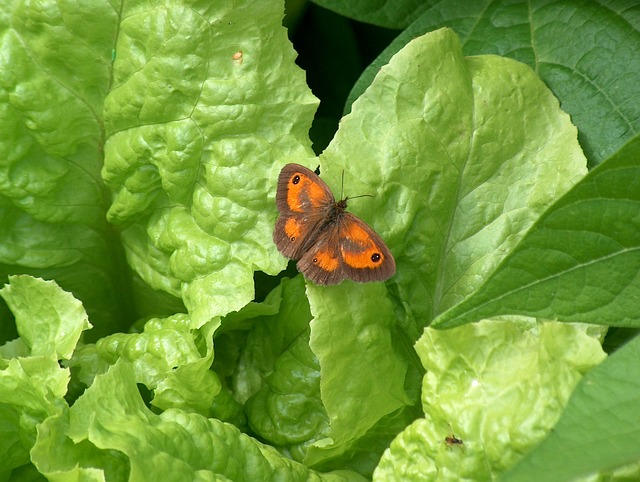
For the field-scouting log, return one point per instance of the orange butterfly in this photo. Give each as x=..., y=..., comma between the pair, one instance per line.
x=330, y=243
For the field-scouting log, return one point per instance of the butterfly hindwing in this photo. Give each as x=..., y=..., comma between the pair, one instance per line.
x=322, y=263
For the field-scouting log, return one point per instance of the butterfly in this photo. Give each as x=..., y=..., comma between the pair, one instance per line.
x=329, y=243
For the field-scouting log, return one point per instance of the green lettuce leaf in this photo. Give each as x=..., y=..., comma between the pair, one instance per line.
x=278, y=376
x=52, y=202
x=363, y=453
x=58, y=457
x=593, y=73
x=363, y=362
x=53, y=325
x=110, y=421
x=449, y=199
x=205, y=101
x=599, y=428
x=426, y=125
x=579, y=262
x=50, y=321
x=31, y=390
x=195, y=107
x=32, y=383
x=499, y=386
x=169, y=357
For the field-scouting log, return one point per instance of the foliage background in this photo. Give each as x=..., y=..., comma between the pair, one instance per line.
x=140, y=145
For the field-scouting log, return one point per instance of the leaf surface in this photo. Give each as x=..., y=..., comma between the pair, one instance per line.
x=599, y=429
x=586, y=52
x=579, y=262
x=206, y=103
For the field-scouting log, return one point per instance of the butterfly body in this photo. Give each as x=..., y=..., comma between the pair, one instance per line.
x=329, y=243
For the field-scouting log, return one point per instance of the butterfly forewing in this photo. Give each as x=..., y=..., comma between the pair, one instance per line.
x=300, y=190
x=302, y=199
x=366, y=257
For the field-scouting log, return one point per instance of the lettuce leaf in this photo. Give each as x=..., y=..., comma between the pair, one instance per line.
x=593, y=74
x=420, y=140
x=279, y=380
x=348, y=344
x=499, y=386
x=32, y=383
x=53, y=326
x=278, y=376
x=579, y=262
x=194, y=108
x=170, y=358
x=599, y=427
x=52, y=201
x=451, y=200
x=192, y=158
x=110, y=421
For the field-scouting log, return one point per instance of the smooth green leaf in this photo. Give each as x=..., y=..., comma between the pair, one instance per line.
x=49, y=320
x=579, y=262
x=206, y=99
x=385, y=13
x=462, y=155
x=362, y=363
x=586, y=52
x=599, y=429
x=499, y=386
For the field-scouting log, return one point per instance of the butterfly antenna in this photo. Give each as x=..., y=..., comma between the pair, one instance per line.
x=361, y=195
x=350, y=197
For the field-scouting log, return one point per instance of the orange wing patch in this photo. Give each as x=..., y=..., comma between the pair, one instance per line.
x=293, y=229
x=360, y=250
x=371, y=258
x=326, y=261
x=356, y=234
x=304, y=191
